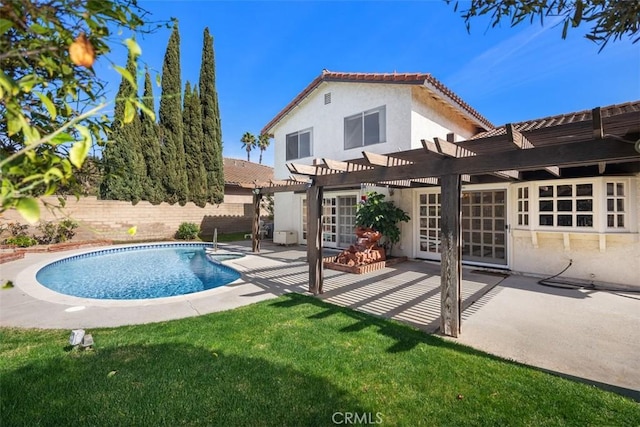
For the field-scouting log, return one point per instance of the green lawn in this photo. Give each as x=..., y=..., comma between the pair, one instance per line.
x=290, y=361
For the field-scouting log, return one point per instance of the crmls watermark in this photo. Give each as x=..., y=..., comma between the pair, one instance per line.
x=356, y=418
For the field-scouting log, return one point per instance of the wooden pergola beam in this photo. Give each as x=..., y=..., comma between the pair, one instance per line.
x=521, y=141
x=255, y=227
x=596, y=119
x=343, y=166
x=444, y=148
x=314, y=238
x=516, y=138
x=303, y=169
x=375, y=159
x=563, y=155
x=451, y=256
x=507, y=174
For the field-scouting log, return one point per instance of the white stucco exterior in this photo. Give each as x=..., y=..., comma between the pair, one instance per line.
x=598, y=253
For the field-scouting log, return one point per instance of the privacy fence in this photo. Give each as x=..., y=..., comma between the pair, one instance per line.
x=111, y=219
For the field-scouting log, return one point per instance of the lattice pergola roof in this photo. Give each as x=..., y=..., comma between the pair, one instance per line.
x=608, y=135
x=601, y=136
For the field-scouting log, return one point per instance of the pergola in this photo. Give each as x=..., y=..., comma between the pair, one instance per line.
x=523, y=151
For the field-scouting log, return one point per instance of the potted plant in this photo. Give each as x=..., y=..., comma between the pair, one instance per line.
x=383, y=216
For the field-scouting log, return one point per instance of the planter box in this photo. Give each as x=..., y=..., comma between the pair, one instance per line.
x=363, y=269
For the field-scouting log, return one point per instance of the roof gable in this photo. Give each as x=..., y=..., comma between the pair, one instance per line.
x=419, y=79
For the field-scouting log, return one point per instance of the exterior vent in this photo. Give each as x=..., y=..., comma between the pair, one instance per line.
x=451, y=137
x=327, y=98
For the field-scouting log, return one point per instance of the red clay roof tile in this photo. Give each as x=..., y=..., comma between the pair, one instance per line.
x=392, y=78
x=239, y=172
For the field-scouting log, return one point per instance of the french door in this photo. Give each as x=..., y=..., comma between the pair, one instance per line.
x=338, y=220
x=484, y=235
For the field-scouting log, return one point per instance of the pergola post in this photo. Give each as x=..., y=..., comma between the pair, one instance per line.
x=451, y=253
x=255, y=228
x=314, y=237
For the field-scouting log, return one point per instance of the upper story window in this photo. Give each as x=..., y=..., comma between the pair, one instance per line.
x=299, y=144
x=366, y=128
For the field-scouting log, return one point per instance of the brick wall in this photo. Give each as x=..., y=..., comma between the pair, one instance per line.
x=110, y=219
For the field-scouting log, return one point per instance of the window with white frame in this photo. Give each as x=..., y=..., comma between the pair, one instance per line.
x=616, y=213
x=593, y=204
x=523, y=206
x=565, y=205
x=366, y=128
x=298, y=144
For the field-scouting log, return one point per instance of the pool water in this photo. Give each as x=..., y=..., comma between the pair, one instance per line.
x=140, y=272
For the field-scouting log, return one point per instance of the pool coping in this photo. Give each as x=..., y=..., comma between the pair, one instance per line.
x=27, y=282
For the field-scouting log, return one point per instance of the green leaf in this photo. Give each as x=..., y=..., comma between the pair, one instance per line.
x=80, y=149
x=126, y=74
x=8, y=84
x=134, y=48
x=48, y=104
x=38, y=29
x=150, y=113
x=29, y=209
x=5, y=25
x=61, y=138
x=129, y=111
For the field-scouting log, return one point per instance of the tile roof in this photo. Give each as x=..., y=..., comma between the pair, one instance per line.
x=242, y=173
x=607, y=112
x=422, y=79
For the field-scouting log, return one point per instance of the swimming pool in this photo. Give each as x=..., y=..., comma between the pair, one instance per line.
x=138, y=272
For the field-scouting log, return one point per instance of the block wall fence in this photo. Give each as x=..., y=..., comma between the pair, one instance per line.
x=110, y=219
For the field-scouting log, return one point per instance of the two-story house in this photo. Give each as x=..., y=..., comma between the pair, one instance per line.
x=534, y=223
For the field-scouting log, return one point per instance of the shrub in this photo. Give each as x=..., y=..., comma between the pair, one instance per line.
x=383, y=216
x=187, y=231
x=16, y=229
x=65, y=230
x=48, y=231
x=21, y=241
x=56, y=233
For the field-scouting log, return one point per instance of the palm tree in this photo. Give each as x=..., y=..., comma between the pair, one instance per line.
x=248, y=143
x=263, y=143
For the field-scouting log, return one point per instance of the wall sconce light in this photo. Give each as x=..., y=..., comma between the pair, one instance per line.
x=309, y=183
x=256, y=191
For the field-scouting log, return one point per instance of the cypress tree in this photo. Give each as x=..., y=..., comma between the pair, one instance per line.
x=171, y=132
x=153, y=190
x=123, y=161
x=212, y=141
x=196, y=173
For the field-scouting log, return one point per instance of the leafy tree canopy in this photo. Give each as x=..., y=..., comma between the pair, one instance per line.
x=607, y=19
x=50, y=95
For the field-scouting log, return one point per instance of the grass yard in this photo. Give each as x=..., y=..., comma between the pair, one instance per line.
x=292, y=361
x=225, y=237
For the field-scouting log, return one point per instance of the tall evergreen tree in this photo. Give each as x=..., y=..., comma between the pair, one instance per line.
x=171, y=131
x=193, y=136
x=212, y=141
x=124, y=165
x=153, y=190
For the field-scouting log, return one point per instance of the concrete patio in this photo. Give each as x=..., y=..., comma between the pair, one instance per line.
x=593, y=336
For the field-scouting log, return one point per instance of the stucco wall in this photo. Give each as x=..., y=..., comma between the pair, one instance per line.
x=431, y=118
x=327, y=121
x=110, y=219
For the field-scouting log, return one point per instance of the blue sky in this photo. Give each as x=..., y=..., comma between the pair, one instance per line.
x=267, y=52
